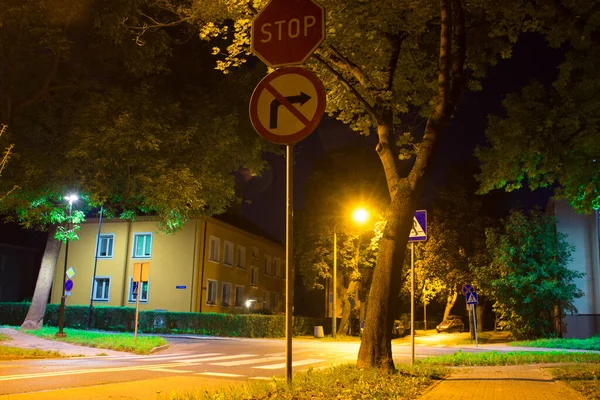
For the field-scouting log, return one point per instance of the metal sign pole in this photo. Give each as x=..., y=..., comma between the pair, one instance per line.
x=475, y=324
x=289, y=218
x=137, y=304
x=412, y=303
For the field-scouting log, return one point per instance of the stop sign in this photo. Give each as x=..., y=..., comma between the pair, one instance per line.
x=286, y=32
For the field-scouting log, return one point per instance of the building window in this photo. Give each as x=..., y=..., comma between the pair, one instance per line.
x=254, y=252
x=254, y=276
x=241, y=257
x=213, y=249
x=275, y=301
x=142, y=245
x=278, y=267
x=226, y=294
x=239, y=296
x=228, y=253
x=266, y=300
x=101, y=288
x=133, y=291
x=267, y=264
x=105, y=246
x=211, y=292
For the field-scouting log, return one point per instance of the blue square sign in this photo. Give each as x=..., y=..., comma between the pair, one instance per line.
x=418, y=233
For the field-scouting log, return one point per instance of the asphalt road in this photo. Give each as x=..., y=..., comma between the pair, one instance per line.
x=228, y=359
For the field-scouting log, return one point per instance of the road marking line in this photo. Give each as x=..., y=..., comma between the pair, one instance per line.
x=201, y=360
x=85, y=371
x=294, y=352
x=262, y=378
x=166, y=358
x=222, y=374
x=247, y=362
x=176, y=371
x=148, y=356
x=294, y=364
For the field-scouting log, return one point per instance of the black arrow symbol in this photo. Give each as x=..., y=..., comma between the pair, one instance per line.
x=300, y=98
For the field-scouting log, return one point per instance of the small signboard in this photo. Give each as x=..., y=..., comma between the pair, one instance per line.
x=472, y=298
x=68, y=285
x=70, y=272
x=418, y=233
x=141, y=271
x=180, y=287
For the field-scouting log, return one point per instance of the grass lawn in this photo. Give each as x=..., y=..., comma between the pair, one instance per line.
x=339, y=382
x=103, y=340
x=592, y=343
x=14, y=353
x=511, y=358
x=582, y=377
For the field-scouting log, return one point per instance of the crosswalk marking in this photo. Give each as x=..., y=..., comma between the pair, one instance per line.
x=294, y=364
x=175, y=371
x=247, y=362
x=284, y=353
x=146, y=356
x=195, y=356
x=221, y=374
x=200, y=360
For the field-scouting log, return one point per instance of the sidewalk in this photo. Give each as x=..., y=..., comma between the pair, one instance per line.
x=24, y=341
x=501, y=383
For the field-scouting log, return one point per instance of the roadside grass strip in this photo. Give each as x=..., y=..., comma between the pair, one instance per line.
x=592, y=343
x=584, y=378
x=103, y=340
x=492, y=358
x=339, y=382
x=15, y=353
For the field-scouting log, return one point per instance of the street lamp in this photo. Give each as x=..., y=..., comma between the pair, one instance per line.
x=61, y=318
x=360, y=215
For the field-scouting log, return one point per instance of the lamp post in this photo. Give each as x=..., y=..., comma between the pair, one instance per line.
x=61, y=317
x=359, y=215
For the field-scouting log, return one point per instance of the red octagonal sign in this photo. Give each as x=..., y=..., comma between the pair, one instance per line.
x=286, y=32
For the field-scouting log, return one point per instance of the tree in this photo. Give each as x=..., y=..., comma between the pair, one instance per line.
x=399, y=73
x=146, y=129
x=550, y=135
x=333, y=190
x=528, y=273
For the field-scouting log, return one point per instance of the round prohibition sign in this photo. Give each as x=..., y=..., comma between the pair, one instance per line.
x=287, y=105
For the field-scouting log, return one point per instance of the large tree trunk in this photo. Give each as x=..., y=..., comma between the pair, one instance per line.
x=450, y=301
x=405, y=192
x=347, y=309
x=35, y=315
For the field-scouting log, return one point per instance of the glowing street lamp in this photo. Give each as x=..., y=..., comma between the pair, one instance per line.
x=61, y=318
x=360, y=215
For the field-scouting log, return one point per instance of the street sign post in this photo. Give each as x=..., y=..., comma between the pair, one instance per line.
x=287, y=105
x=418, y=233
x=287, y=32
x=68, y=285
x=141, y=272
x=472, y=300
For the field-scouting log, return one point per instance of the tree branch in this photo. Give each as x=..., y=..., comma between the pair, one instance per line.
x=368, y=107
x=566, y=16
x=43, y=90
x=343, y=63
x=437, y=120
x=396, y=42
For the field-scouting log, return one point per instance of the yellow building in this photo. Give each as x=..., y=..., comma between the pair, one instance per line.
x=208, y=266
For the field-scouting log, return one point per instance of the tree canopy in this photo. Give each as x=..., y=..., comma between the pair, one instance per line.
x=528, y=275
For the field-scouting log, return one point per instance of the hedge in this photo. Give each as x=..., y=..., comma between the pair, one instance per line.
x=122, y=319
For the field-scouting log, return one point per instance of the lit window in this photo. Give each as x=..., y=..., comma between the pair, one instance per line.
x=254, y=252
x=239, y=296
x=267, y=264
x=105, y=246
x=101, y=289
x=213, y=249
x=254, y=276
x=133, y=291
x=142, y=245
x=227, y=253
x=226, y=295
x=278, y=267
x=211, y=292
x=241, y=257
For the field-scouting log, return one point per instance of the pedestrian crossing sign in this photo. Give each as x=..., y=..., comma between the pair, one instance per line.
x=418, y=232
x=472, y=298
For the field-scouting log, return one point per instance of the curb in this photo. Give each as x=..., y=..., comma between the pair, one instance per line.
x=159, y=348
